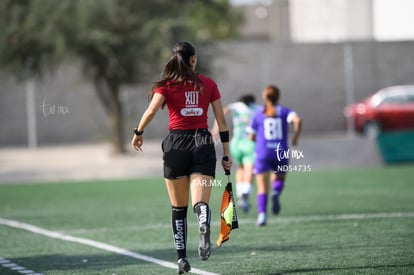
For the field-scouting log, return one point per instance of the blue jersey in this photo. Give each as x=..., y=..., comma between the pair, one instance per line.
x=271, y=132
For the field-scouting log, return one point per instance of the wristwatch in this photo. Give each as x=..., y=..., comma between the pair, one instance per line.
x=138, y=133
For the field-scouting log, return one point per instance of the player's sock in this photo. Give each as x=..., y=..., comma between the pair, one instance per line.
x=239, y=189
x=261, y=209
x=202, y=211
x=179, y=227
x=261, y=203
x=247, y=188
x=243, y=200
x=278, y=186
x=203, y=214
x=261, y=219
x=243, y=188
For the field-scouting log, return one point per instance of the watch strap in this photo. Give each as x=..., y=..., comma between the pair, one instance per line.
x=138, y=133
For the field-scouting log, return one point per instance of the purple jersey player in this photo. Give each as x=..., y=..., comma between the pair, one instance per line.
x=269, y=128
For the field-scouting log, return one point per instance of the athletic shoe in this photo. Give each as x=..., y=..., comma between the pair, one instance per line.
x=243, y=202
x=183, y=265
x=261, y=219
x=204, y=245
x=275, y=203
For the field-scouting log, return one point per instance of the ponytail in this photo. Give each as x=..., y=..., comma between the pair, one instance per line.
x=178, y=69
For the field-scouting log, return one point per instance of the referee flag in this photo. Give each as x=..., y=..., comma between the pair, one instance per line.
x=228, y=213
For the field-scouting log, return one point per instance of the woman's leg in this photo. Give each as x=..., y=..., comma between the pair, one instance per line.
x=178, y=192
x=277, y=188
x=248, y=149
x=248, y=173
x=278, y=182
x=245, y=183
x=200, y=193
x=248, y=177
x=262, y=181
x=201, y=188
x=239, y=180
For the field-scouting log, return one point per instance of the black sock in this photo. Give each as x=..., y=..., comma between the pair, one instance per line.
x=179, y=227
x=202, y=212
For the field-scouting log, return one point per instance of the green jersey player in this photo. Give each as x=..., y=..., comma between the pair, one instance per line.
x=241, y=147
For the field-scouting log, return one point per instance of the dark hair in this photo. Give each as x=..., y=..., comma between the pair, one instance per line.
x=247, y=99
x=177, y=68
x=272, y=94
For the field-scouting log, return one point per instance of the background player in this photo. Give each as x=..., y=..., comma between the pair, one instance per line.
x=241, y=147
x=269, y=128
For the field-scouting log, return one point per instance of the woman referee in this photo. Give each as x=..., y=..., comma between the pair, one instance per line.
x=188, y=150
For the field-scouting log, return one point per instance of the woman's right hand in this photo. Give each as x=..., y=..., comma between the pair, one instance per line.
x=226, y=162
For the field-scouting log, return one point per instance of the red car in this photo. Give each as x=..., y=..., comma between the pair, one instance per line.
x=389, y=109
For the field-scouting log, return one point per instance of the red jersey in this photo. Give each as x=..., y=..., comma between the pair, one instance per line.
x=187, y=105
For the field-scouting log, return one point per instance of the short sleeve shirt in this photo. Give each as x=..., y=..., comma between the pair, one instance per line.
x=242, y=114
x=187, y=104
x=271, y=132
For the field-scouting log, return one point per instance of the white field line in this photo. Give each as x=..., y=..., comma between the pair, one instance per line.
x=338, y=217
x=99, y=245
x=298, y=219
x=107, y=247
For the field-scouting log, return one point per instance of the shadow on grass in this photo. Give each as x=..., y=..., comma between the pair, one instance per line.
x=88, y=263
x=236, y=248
x=352, y=269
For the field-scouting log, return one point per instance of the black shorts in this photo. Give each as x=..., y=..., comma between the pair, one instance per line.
x=187, y=152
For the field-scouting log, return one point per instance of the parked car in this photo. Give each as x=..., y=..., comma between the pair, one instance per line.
x=389, y=109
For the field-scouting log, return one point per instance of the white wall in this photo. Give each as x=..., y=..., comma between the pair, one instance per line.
x=393, y=20
x=339, y=20
x=330, y=20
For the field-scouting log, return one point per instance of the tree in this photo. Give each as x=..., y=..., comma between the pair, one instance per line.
x=118, y=41
x=30, y=44
x=30, y=41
